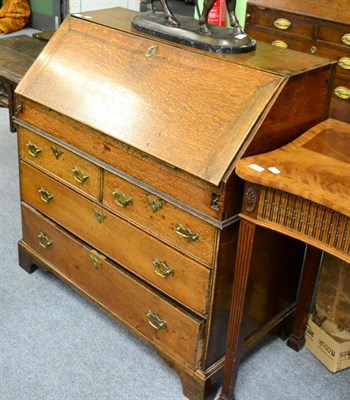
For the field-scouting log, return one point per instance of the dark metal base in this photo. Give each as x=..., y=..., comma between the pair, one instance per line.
x=220, y=40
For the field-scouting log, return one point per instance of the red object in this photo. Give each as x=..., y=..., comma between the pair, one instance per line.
x=217, y=15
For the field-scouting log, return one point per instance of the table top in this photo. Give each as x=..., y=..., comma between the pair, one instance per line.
x=316, y=166
x=17, y=54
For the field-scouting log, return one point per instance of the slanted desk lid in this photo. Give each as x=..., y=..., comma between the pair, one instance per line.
x=194, y=112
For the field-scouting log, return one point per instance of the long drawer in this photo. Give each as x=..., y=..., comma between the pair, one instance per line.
x=172, y=272
x=75, y=170
x=166, y=326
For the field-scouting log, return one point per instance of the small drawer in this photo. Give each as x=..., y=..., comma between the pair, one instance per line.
x=281, y=21
x=336, y=33
x=334, y=52
x=160, y=217
x=150, y=315
x=60, y=162
x=160, y=265
x=281, y=39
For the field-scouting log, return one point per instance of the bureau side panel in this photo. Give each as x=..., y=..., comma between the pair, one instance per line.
x=303, y=103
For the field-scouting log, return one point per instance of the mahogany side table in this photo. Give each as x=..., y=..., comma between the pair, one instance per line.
x=301, y=190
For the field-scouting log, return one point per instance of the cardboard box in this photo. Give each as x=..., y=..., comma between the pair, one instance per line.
x=333, y=352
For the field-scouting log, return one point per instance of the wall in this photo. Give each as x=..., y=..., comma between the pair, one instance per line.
x=76, y=6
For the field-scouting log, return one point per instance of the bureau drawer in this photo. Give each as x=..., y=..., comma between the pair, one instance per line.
x=172, y=272
x=166, y=326
x=59, y=161
x=162, y=218
x=281, y=21
x=334, y=33
x=281, y=39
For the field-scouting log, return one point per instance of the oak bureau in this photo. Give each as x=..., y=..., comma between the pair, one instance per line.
x=127, y=149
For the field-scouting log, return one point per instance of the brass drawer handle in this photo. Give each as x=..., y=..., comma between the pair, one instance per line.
x=96, y=259
x=344, y=62
x=162, y=268
x=45, y=196
x=342, y=92
x=155, y=321
x=79, y=176
x=154, y=204
x=121, y=199
x=282, y=23
x=44, y=241
x=33, y=149
x=57, y=152
x=99, y=215
x=346, y=39
x=280, y=44
x=186, y=233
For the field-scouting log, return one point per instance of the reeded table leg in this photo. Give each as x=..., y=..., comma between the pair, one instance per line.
x=240, y=281
x=308, y=279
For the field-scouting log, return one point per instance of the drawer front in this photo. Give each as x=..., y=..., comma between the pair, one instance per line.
x=281, y=21
x=340, y=102
x=151, y=316
x=338, y=53
x=61, y=162
x=163, y=219
x=281, y=39
x=172, y=272
x=334, y=33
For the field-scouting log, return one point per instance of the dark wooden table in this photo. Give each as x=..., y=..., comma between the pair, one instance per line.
x=17, y=53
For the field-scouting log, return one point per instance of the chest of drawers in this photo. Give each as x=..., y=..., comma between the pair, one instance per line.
x=127, y=184
x=315, y=27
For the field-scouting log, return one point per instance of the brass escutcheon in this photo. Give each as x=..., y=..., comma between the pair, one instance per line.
x=151, y=51
x=45, y=196
x=346, y=39
x=33, y=149
x=186, y=233
x=96, y=259
x=280, y=44
x=79, y=176
x=162, y=268
x=155, y=205
x=342, y=92
x=99, y=215
x=344, y=62
x=57, y=152
x=282, y=23
x=121, y=199
x=313, y=49
x=44, y=241
x=155, y=321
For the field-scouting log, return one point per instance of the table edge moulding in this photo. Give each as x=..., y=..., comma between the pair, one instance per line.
x=143, y=150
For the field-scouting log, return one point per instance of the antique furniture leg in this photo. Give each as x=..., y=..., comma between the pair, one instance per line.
x=235, y=337
x=307, y=284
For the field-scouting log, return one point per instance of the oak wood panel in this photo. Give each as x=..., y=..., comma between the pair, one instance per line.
x=162, y=222
x=115, y=290
x=61, y=166
x=129, y=246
